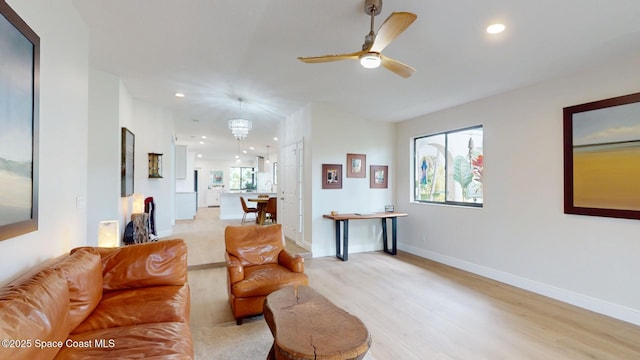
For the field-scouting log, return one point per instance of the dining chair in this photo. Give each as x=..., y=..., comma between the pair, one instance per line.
x=272, y=209
x=247, y=210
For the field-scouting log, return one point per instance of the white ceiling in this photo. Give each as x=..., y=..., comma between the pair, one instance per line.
x=217, y=51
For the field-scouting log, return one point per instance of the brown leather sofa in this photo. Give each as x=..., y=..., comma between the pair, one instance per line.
x=257, y=265
x=101, y=303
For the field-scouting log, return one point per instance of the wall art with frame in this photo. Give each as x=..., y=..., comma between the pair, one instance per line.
x=126, y=162
x=19, y=124
x=602, y=158
x=356, y=165
x=379, y=177
x=332, y=176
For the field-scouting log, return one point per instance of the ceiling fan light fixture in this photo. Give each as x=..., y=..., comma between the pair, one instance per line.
x=370, y=60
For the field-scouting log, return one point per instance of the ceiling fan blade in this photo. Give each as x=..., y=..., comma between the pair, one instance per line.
x=395, y=25
x=397, y=67
x=330, y=58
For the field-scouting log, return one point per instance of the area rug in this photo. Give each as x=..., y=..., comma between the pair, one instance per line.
x=250, y=341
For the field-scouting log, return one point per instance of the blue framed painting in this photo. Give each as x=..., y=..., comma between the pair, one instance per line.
x=19, y=73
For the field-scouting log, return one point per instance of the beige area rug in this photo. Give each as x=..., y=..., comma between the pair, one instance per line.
x=250, y=341
x=204, y=233
x=204, y=236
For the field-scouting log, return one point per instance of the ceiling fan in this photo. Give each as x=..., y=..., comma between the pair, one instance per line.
x=370, y=57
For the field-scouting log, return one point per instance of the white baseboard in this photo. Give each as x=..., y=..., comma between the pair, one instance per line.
x=586, y=302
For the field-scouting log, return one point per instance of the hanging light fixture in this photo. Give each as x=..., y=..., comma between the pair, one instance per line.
x=267, y=154
x=240, y=127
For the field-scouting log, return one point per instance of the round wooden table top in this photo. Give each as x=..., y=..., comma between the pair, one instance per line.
x=306, y=325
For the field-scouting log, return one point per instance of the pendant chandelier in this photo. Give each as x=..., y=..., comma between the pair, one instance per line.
x=240, y=127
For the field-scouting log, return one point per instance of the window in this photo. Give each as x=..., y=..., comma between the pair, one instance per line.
x=448, y=167
x=242, y=178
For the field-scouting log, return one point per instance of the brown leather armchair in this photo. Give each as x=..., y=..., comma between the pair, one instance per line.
x=257, y=265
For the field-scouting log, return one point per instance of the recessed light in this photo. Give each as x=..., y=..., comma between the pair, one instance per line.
x=180, y=95
x=495, y=28
x=203, y=136
x=199, y=155
x=202, y=142
x=275, y=138
x=244, y=151
x=251, y=148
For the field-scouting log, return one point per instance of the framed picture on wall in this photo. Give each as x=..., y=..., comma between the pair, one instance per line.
x=356, y=165
x=379, y=175
x=332, y=176
x=126, y=162
x=602, y=158
x=19, y=104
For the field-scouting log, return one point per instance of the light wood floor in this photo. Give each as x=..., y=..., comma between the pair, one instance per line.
x=419, y=309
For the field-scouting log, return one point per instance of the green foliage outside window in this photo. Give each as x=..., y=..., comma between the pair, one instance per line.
x=448, y=167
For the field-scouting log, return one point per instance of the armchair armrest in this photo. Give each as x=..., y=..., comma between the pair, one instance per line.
x=235, y=270
x=293, y=262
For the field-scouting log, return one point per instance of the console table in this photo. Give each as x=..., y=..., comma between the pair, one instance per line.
x=342, y=221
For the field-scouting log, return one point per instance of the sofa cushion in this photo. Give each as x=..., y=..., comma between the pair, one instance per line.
x=262, y=280
x=149, y=264
x=168, y=340
x=83, y=271
x=34, y=309
x=139, y=306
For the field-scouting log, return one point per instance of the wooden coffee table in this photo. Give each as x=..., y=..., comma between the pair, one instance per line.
x=306, y=325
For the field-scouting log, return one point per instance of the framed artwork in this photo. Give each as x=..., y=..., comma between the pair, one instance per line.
x=126, y=163
x=379, y=175
x=332, y=176
x=356, y=165
x=602, y=158
x=19, y=104
x=216, y=178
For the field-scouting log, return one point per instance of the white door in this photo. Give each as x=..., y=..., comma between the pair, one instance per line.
x=290, y=167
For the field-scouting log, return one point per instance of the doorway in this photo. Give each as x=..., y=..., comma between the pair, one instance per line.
x=291, y=193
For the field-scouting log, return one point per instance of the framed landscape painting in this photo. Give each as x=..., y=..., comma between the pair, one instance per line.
x=602, y=158
x=19, y=103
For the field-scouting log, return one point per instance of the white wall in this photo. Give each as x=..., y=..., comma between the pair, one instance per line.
x=64, y=69
x=103, y=186
x=521, y=236
x=334, y=134
x=154, y=130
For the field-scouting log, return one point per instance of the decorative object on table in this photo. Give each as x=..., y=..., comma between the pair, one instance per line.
x=333, y=213
x=369, y=56
x=356, y=165
x=140, y=220
x=379, y=175
x=19, y=101
x=332, y=176
x=109, y=233
x=602, y=158
x=239, y=126
x=126, y=162
x=155, y=165
x=389, y=208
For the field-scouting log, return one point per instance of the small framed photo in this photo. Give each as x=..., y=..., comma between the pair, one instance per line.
x=379, y=176
x=356, y=165
x=332, y=176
